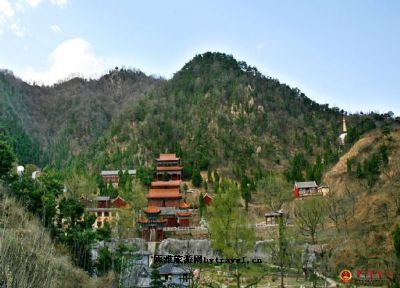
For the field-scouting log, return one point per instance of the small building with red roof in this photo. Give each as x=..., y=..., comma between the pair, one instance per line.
x=207, y=199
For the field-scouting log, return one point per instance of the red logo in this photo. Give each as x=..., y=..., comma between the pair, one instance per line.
x=345, y=276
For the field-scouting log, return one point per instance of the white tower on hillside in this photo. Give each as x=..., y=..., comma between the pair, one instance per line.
x=344, y=133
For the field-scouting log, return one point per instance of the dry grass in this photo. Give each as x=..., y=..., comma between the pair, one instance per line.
x=28, y=256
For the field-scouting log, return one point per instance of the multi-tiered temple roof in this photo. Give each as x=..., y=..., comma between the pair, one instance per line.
x=165, y=205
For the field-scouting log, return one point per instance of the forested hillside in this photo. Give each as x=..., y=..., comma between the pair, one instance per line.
x=216, y=113
x=48, y=125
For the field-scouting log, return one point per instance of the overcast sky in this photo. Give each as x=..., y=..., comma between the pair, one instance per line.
x=345, y=53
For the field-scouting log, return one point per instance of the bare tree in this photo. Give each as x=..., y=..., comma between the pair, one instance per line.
x=276, y=191
x=310, y=214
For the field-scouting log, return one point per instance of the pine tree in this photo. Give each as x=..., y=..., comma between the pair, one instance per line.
x=202, y=205
x=6, y=158
x=196, y=177
x=156, y=281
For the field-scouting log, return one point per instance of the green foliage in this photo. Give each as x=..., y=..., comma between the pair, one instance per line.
x=70, y=210
x=230, y=232
x=156, y=281
x=245, y=190
x=370, y=169
x=196, y=178
x=218, y=112
x=202, y=205
x=299, y=164
x=104, y=233
x=104, y=261
x=358, y=129
x=145, y=174
x=274, y=190
x=6, y=158
x=229, y=229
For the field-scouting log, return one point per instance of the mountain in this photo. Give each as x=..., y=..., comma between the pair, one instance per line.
x=49, y=125
x=216, y=112
x=220, y=113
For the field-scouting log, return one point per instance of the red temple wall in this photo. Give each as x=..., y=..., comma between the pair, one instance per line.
x=113, y=179
x=155, y=202
x=172, y=221
x=184, y=222
x=171, y=203
x=103, y=204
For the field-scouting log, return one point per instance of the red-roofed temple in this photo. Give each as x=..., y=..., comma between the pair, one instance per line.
x=165, y=205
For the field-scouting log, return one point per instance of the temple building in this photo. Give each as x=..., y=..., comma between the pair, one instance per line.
x=152, y=225
x=305, y=189
x=105, y=209
x=169, y=165
x=112, y=176
x=165, y=205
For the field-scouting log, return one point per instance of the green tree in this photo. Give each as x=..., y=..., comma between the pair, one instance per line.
x=196, y=178
x=104, y=261
x=230, y=232
x=156, y=281
x=136, y=198
x=275, y=190
x=202, y=205
x=216, y=176
x=6, y=158
x=104, y=233
x=121, y=179
x=70, y=210
x=80, y=185
x=245, y=190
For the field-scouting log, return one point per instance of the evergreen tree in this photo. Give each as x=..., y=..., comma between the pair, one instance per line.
x=6, y=158
x=196, y=178
x=245, y=189
x=359, y=171
x=104, y=261
x=156, y=281
x=216, y=176
x=202, y=205
x=209, y=177
x=121, y=179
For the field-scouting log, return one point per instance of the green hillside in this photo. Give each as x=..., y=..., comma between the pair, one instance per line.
x=66, y=118
x=217, y=112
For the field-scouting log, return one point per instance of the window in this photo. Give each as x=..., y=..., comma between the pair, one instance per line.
x=99, y=214
x=106, y=214
x=98, y=223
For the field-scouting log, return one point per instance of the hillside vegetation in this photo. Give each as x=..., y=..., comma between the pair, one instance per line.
x=49, y=125
x=220, y=113
x=365, y=201
x=28, y=256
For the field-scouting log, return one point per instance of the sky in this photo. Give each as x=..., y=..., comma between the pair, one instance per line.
x=344, y=53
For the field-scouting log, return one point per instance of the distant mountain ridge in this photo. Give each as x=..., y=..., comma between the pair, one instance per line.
x=215, y=112
x=66, y=118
